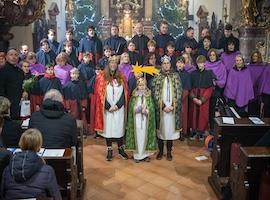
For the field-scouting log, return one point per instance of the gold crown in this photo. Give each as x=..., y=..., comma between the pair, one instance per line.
x=114, y=59
x=141, y=81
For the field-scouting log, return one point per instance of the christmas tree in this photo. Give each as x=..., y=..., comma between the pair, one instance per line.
x=85, y=14
x=174, y=15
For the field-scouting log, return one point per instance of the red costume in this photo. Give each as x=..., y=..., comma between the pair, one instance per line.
x=202, y=89
x=100, y=95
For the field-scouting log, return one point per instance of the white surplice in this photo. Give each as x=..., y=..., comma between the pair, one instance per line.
x=167, y=120
x=114, y=121
x=140, y=132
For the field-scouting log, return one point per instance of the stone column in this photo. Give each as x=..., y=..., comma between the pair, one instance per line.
x=105, y=11
x=148, y=9
x=250, y=37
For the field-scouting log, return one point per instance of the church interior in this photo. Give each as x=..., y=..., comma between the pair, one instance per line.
x=230, y=161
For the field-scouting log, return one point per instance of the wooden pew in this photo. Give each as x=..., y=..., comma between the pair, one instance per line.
x=79, y=158
x=245, y=182
x=66, y=174
x=244, y=132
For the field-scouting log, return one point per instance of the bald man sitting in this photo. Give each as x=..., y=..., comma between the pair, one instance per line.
x=57, y=127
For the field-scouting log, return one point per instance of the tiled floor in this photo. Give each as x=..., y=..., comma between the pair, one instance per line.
x=183, y=178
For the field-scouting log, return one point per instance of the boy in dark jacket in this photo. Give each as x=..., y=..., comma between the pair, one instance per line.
x=75, y=96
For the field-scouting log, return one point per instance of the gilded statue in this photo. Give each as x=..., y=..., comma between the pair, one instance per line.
x=249, y=12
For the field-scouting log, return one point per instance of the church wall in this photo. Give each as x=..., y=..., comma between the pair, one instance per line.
x=22, y=35
x=61, y=18
x=215, y=6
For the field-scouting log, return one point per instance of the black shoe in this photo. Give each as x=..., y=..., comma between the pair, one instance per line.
x=159, y=155
x=147, y=159
x=169, y=156
x=122, y=153
x=109, y=154
x=182, y=137
x=193, y=136
x=201, y=137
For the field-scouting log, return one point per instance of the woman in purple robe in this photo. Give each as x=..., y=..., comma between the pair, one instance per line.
x=239, y=88
x=125, y=67
x=264, y=90
x=228, y=56
x=35, y=68
x=256, y=69
x=213, y=63
x=62, y=69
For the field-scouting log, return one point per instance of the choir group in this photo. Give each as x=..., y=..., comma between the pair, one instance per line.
x=140, y=110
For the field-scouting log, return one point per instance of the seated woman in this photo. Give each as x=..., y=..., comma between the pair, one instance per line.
x=27, y=175
x=11, y=130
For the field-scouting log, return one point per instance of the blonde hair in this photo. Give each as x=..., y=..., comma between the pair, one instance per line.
x=122, y=57
x=151, y=43
x=31, y=55
x=4, y=109
x=74, y=70
x=31, y=140
x=62, y=56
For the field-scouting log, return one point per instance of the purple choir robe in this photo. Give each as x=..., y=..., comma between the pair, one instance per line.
x=239, y=87
x=256, y=71
x=63, y=73
x=37, y=69
x=219, y=70
x=228, y=59
x=126, y=70
x=264, y=84
x=189, y=68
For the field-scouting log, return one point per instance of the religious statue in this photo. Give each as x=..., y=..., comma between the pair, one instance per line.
x=249, y=12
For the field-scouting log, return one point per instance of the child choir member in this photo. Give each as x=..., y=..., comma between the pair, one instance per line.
x=75, y=97
x=239, y=88
x=125, y=67
x=111, y=93
x=35, y=67
x=206, y=41
x=218, y=68
x=167, y=93
x=133, y=55
x=170, y=51
x=186, y=86
x=141, y=124
x=189, y=66
x=107, y=52
x=62, y=69
x=72, y=54
x=86, y=68
x=45, y=55
x=200, y=94
x=49, y=81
